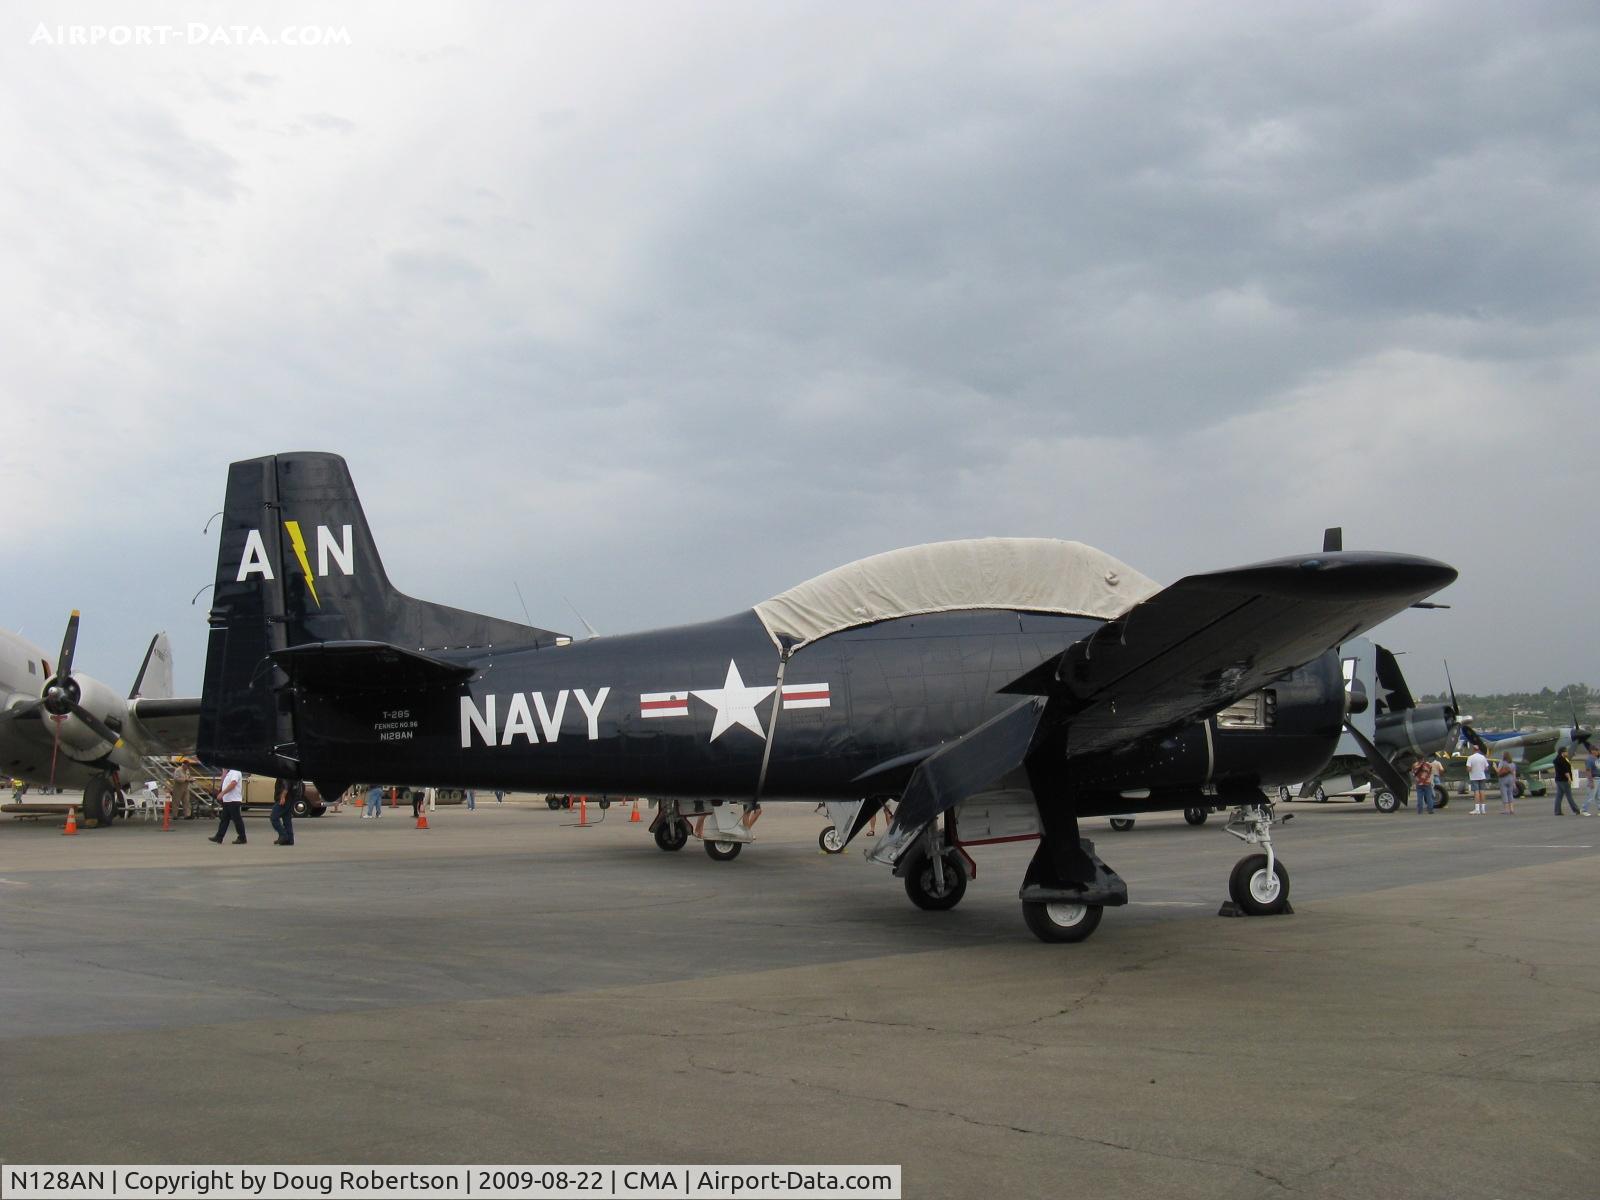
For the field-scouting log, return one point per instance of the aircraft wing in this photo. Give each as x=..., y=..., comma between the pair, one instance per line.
x=164, y=725
x=1180, y=656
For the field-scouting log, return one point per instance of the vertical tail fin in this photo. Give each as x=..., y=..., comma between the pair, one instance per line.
x=154, y=681
x=296, y=563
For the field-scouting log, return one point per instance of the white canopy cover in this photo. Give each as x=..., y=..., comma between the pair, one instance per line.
x=1024, y=574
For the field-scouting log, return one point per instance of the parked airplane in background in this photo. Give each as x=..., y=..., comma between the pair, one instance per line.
x=62, y=728
x=1001, y=688
x=1402, y=729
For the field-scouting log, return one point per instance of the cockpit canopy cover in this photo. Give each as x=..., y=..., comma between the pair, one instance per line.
x=1021, y=574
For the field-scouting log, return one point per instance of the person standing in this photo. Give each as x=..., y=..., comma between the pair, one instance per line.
x=472, y=800
x=1564, y=784
x=1478, y=776
x=1591, y=765
x=231, y=797
x=1507, y=773
x=1422, y=776
x=286, y=794
x=182, y=777
x=499, y=796
x=417, y=797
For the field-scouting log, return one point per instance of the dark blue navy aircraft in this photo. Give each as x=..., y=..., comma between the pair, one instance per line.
x=999, y=689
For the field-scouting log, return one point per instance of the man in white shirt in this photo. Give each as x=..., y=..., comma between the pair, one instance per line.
x=1478, y=775
x=231, y=797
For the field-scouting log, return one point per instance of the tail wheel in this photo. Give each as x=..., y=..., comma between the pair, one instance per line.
x=1122, y=824
x=1385, y=801
x=672, y=834
x=831, y=840
x=924, y=888
x=723, y=851
x=1257, y=891
x=1195, y=816
x=1058, y=922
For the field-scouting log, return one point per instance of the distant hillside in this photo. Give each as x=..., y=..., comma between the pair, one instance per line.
x=1527, y=710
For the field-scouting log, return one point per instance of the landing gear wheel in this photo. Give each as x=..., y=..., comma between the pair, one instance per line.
x=1060, y=922
x=1521, y=789
x=672, y=835
x=922, y=883
x=100, y=802
x=301, y=807
x=1195, y=816
x=831, y=840
x=1321, y=796
x=1441, y=801
x=1385, y=801
x=723, y=851
x=605, y=803
x=1122, y=824
x=553, y=803
x=1254, y=890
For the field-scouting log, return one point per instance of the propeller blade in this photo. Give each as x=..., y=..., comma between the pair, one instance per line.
x=69, y=645
x=100, y=728
x=1452, y=684
x=1333, y=539
x=1385, y=770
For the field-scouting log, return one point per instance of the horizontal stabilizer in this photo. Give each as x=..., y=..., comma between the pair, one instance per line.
x=366, y=667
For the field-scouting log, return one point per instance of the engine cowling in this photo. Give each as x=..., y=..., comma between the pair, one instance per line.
x=77, y=739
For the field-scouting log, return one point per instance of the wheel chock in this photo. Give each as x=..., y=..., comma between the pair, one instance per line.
x=1230, y=909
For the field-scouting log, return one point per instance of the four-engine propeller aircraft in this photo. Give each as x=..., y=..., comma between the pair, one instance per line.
x=63, y=728
x=1001, y=688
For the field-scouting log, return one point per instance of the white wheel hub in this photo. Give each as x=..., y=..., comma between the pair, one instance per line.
x=1264, y=886
x=1066, y=915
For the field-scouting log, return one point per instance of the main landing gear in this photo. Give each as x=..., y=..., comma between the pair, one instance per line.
x=1259, y=884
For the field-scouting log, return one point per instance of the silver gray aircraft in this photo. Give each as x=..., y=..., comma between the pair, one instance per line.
x=62, y=728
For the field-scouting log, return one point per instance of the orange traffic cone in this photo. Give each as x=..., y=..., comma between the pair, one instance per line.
x=166, y=817
x=422, y=818
x=634, y=819
x=583, y=810
x=72, y=822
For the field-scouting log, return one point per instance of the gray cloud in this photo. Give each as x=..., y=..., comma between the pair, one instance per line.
x=668, y=314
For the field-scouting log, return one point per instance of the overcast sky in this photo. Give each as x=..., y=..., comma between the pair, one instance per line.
x=665, y=307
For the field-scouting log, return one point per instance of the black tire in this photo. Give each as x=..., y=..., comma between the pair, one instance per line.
x=1250, y=891
x=1122, y=824
x=1385, y=801
x=830, y=840
x=723, y=851
x=1283, y=794
x=1442, y=800
x=553, y=803
x=604, y=802
x=1521, y=790
x=1062, y=922
x=100, y=802
x=1321, y=796
x=920, y=885
x=302, y=807
x=1195, y=816
x=672, y=834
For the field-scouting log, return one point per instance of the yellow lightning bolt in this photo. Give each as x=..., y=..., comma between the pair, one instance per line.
x=300, y=552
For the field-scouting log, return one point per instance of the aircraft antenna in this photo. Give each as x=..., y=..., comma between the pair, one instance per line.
x=522, y=602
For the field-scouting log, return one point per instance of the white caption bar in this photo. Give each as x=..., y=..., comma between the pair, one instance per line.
x=270, y=1182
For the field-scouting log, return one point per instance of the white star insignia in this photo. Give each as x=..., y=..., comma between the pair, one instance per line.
x=735, y=704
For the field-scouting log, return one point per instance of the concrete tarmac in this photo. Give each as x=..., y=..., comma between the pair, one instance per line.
x=506, y=988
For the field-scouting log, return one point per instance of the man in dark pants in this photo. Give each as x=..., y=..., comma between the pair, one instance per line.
x=286, y=794
x=1564, y=782
x=231, y=797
